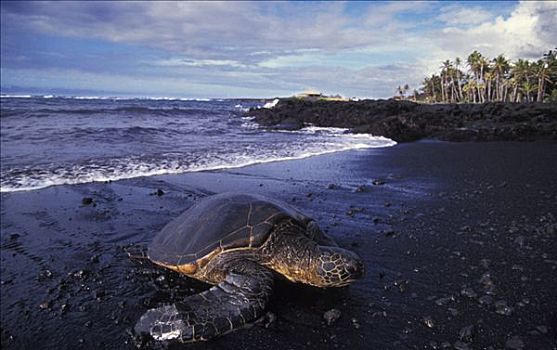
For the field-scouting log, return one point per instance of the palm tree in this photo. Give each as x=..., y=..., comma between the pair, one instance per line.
x=445, y=67
x=473, y=62
x=458, y=75
x=470, y=89
x=488, y=82
x=528, y=88
x=484, y=67
x=478, y=64
x=546, y=67
x=430, y=87
x=500, y=68
x=495, y=79
x=520, y=73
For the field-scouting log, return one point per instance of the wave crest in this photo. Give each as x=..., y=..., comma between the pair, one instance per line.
x=325, y=140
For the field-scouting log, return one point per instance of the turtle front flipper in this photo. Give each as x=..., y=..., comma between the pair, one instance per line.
x=238, y=300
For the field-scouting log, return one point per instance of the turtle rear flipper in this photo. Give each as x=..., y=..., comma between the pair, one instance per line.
x=233, y=303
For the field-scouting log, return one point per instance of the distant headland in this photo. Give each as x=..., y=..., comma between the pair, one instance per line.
x=494, y=100
x=405, y=121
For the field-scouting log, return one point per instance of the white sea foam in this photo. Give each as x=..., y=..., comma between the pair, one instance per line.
x=15, y=96
x=139, y=147
x=95, y=98
x=270, y=105
x=119, y=98
x=334, y=140
x=243, y=109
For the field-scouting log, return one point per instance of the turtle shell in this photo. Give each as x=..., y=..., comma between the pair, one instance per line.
x=219, y=222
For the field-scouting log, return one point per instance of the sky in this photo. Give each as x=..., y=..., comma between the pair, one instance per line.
x=255, y=49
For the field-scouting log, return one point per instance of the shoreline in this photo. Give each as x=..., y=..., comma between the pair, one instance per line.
x=204, y=170
x=456, y=238
x=405, y=121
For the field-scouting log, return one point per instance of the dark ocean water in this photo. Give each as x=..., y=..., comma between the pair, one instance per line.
x=49, y=140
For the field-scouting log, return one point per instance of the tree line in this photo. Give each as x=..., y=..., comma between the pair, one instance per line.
x=480, y=79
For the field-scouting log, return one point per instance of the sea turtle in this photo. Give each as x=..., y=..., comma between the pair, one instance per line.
x=238, y=243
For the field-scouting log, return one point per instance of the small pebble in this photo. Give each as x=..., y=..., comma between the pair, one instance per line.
x=443, y=301
x=486, y=300
x=428, y=321
x=14, y=236
x=519, y=241
x=466, y=333
x=161, y=278
x=98, y=294
x=502, y=308
x=331, y=316
x=468, y=292
x=45, y=274
x=390, y=233
x=361, y=189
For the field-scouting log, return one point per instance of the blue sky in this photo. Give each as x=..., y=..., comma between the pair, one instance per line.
x=255, y=49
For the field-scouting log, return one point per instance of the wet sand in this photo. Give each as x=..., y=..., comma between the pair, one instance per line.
x=459, y=242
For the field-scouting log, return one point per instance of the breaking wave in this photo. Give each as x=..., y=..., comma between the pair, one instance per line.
x=57, y=142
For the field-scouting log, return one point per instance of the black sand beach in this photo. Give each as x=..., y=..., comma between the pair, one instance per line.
x=459, y=242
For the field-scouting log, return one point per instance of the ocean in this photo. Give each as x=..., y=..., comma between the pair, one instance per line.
x=49, y=140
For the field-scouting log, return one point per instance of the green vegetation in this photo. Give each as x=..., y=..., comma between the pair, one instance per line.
x=490, y=80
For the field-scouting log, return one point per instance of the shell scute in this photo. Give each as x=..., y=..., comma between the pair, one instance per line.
x=223, y=221
x=259, y=234
x=236, y=239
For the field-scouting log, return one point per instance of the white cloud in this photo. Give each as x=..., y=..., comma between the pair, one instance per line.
x=277, y=47
x=177, y=62
x=528, y=32
x=202, y=30
x=138, y=85
x=457, y=15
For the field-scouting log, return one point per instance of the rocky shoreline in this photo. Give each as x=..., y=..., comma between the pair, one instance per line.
x=406, y=121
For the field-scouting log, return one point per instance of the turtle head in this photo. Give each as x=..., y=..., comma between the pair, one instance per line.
x=336, y=267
